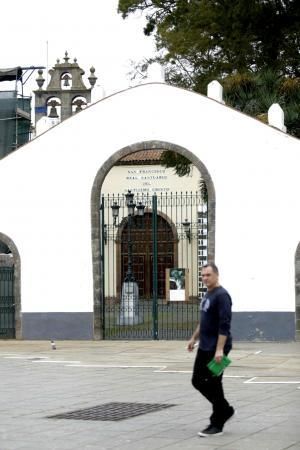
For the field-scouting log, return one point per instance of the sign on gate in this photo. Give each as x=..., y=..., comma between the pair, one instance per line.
x=177, y=285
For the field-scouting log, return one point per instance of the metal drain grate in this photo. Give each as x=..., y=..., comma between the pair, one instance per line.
x=112, y=411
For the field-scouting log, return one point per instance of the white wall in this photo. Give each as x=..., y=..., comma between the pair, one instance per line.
x=46, y=191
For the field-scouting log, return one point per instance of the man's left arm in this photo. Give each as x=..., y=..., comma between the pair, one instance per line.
x=224, y=325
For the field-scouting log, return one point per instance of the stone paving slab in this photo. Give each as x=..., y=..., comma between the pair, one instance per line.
x=262, y=382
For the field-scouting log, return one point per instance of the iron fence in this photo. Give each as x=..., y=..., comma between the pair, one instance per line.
x=7, y=306
x=170, y=236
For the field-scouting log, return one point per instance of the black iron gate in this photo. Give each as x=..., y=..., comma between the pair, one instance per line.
x=152, y=253
x=7, y=306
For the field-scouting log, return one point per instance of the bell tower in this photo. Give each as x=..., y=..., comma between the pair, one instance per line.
x=66, y=93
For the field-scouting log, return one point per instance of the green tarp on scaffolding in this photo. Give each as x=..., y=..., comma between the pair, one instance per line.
x=7, y=122
x=11, y=74
x=14, y=121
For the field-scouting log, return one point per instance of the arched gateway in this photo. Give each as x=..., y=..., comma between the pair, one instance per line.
x=176, y=231
x=10, y=298
x=297, y=288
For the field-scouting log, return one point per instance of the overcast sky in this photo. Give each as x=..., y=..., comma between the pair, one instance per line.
x=91, y=31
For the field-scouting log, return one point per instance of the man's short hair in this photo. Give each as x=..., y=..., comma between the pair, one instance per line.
x=213, y=267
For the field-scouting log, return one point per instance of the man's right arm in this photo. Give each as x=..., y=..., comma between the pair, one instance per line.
x=194, y=339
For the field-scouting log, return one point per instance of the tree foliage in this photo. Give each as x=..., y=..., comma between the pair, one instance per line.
x=254, y=93
x=202, y=40
x=251, y=46
x=180, y=164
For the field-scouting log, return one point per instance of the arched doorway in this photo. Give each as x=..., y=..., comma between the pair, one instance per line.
x=10, y=304
x=142, y=255
x=101, y=230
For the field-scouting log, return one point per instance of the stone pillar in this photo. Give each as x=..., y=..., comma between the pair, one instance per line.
x=129, y=310
x=276, y=117
x=155, y=74
x=215, y=91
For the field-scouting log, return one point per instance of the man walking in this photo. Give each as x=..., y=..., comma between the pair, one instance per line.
x=213, y=333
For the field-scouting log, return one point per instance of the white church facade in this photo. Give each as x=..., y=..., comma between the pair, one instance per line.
x=67, y=255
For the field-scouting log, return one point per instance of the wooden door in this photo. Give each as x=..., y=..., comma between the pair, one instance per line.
x=142, y=253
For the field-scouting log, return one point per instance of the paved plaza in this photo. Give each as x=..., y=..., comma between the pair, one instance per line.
x=37, y=382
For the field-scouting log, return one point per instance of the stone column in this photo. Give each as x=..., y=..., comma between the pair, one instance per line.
x=129, y=310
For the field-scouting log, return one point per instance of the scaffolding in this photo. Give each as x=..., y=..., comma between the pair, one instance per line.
x=15, y=110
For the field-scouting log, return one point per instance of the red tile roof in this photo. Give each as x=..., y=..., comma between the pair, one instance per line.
x=143, y=156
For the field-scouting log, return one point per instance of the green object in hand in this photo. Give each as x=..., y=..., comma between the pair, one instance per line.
x=218, y=368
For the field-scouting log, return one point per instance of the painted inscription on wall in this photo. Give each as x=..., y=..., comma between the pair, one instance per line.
x=148, y=180
x=144, y=178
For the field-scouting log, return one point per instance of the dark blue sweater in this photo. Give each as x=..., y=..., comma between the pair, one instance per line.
x=215, y=319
